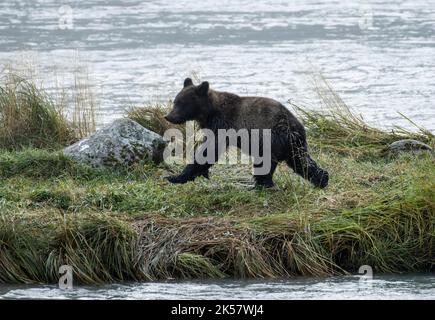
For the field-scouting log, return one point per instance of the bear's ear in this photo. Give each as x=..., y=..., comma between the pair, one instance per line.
x=202, y=89
x=187, y=82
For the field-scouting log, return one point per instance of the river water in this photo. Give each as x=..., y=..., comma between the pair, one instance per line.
x=349, y=287
x=379, y=55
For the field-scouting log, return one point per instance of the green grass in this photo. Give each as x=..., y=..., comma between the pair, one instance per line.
x=131, y=224
x=113, y=226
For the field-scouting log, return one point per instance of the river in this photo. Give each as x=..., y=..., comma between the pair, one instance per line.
x=379, y=55
x=411, y=286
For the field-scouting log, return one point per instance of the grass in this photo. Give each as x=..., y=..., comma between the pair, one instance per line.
x=131, y=224
x=29, y=117
x=342, y=131
x=152, y=117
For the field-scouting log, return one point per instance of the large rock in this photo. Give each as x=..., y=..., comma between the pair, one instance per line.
x=121, y=143
x=407, y=145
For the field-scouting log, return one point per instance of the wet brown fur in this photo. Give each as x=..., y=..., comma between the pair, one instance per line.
x=216, y=110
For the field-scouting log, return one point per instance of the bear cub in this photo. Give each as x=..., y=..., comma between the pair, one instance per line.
x=216, y=110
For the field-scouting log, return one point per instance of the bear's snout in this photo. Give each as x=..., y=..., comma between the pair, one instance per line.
x=173, y=118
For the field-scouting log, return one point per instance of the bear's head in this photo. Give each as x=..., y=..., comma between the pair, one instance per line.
x=191, y=103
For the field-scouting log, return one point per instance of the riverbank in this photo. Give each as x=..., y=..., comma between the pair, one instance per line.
x=131, y=224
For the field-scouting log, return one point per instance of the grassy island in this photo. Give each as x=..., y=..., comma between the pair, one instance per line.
x=130, y=224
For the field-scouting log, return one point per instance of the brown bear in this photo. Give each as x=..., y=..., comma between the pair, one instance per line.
x=215, y=110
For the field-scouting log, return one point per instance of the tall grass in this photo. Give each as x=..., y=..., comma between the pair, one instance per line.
x=29, y=117
x=83, y=115
x=336, y=127
x=152, y=117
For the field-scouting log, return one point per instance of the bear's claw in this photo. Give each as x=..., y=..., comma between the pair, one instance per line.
x=183, y=178
x=321, y=179
x=176, y=179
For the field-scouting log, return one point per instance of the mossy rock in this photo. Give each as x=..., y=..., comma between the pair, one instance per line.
x=122, y=143
x=407, y=146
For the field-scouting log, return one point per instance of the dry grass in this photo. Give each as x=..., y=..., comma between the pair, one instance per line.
x=85, y=105
x=152, y=117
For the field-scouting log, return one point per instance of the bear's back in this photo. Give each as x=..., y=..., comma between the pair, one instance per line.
x=250, y=112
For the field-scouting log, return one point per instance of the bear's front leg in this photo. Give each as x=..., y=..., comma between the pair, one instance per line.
x=265, y=180
x=190, y=173
x=194, y=170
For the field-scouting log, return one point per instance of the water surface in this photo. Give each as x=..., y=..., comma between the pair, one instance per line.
x=350, y=287
x=378, y=54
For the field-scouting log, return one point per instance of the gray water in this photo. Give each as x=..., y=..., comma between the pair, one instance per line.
x=349, y=287
x=379, y=55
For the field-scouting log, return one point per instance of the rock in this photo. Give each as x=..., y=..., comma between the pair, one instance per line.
x=407, y=145
x=120, y=144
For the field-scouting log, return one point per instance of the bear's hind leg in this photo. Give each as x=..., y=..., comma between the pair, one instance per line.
x=307, y=168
